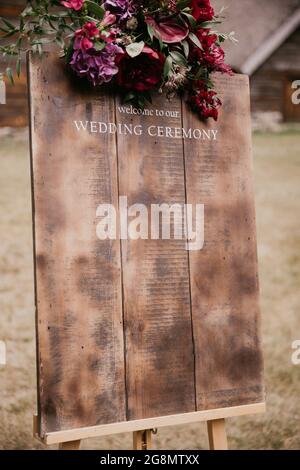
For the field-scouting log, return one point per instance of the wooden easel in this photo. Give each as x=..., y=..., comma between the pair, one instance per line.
x=143, y=429
x=142, y=440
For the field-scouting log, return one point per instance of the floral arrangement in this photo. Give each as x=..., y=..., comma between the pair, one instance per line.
x=136, y=46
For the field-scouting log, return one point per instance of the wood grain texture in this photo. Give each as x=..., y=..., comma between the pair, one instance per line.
x=224, y=278
x=134, y=334
x=78, y=277
x=157, y=317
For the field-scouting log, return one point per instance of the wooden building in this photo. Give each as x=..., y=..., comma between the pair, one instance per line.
x=15, y=112
x=268, y=50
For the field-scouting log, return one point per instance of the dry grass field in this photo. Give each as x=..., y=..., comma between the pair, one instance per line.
x=277, y=176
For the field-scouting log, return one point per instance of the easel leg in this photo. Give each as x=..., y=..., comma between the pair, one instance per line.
x=73, y=445
x=142, y=440
x=217, y=434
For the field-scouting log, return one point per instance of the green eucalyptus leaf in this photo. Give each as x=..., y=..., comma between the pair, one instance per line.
x=167, y=67
x=150, y=31
x=178, y=58
x=10, y=75
x=60, y=42
x=195, y=40
x=9, y=25
x=161, y=44
x=191, y=19
x=208, y=24
x=94, y=8
x=27, y=11
x=186, y=48
x=8, y=35
x=18, y=67
x=135, y=49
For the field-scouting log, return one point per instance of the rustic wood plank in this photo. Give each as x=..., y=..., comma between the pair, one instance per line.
x=224, y=280
x=78, y=277
x=157, y=321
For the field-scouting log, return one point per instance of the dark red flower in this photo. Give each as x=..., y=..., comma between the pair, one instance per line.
x=140, y=73
x=211, y=55
x=206, y=38
x=215, y=57
x=202, y=10
x=204, y=101
x=90, y=29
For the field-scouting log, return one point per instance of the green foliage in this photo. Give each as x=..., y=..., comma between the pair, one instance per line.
x=39, y=25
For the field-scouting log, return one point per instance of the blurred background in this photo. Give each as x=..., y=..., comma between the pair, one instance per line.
x=269, y=52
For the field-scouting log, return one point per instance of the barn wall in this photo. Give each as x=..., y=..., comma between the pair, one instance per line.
x=14, y=113
x=269, y=84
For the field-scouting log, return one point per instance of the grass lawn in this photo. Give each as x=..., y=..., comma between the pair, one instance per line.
x=277, y=177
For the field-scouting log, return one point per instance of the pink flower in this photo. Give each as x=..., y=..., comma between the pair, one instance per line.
x=168, y=30
x=84, y=35
x=82, y=43
x=90, y=29
x=108, y=19
x=110, y=36
x=73, y=4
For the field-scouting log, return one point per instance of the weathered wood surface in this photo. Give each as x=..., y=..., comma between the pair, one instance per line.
x=157, y=316
x=78, y=277
x=224, y=278
x=138, y=329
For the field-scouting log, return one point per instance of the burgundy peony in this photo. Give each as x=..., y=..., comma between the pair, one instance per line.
x=202, y=10
x=73, y=4
x=140, y=73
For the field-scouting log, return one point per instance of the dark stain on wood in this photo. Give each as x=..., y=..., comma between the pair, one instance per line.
x=224, y=283
x=136, y=329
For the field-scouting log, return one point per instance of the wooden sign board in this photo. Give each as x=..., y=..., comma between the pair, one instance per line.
x=134, y=334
